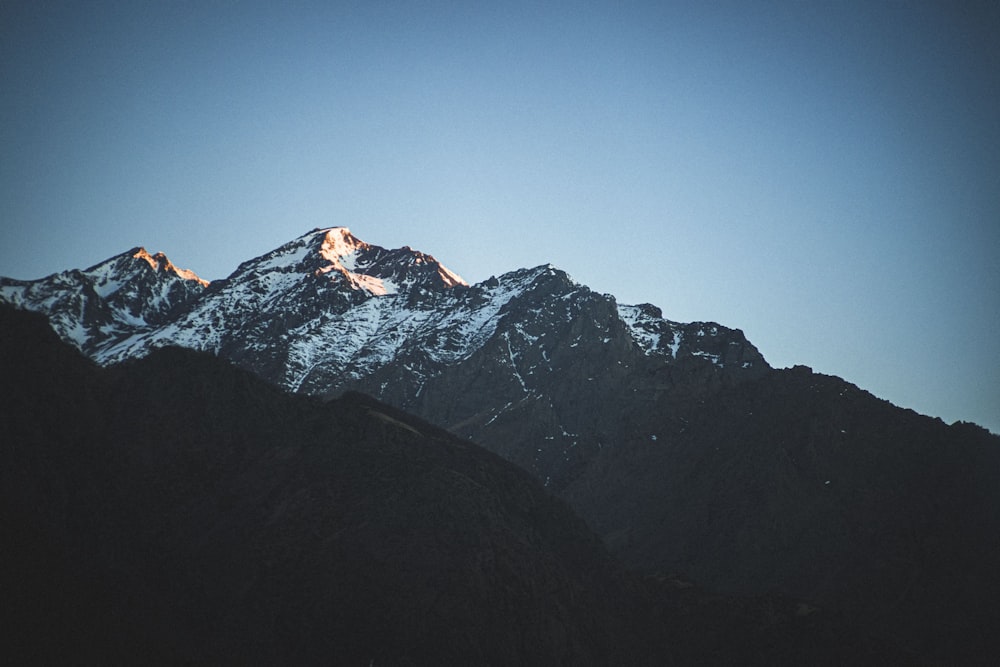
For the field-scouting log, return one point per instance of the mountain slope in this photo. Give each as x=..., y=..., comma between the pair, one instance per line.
x=203, y=514
x=804, y=484
x=676, y=442
x=178, y=510
x=130, y=293
x=327, y=313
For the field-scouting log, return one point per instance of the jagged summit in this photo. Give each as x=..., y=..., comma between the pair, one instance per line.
x=327, y=307
x=129, y=293
x=160, y=262
x=135, y=262
x=516, y=362
x=328, y=312
x=339, y=242
x=337, y=255
x=676, y=441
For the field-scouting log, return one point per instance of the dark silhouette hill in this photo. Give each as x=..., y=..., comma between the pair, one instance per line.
x=803, y=484
x=195, y=512
x=681, y=448
x=178, y=510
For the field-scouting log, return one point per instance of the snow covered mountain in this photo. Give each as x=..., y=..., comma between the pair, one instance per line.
x=675, y=442
x=121, y=297
x=181, y=508
x=328, y=312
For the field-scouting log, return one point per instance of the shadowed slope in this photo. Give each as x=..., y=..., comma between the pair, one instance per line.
x=177, y=509
x=804, y=484
x=195, y=511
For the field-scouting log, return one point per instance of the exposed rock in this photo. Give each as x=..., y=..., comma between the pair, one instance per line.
x=178, y=510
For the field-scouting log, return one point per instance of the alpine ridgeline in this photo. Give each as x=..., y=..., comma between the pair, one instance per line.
x=178, y=510
x=530, y=364
x=677, y=443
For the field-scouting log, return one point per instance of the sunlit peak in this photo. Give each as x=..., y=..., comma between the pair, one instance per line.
x=159, y=262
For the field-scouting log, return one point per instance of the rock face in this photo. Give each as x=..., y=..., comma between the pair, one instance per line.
x=177, y=507
x=178, y=510
x=518, y=362
x=130, y=293
x=676, y=442
x=805, y=484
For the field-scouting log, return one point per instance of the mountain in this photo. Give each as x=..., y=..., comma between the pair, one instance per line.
x=676, y=442
x=209, y=518
x=177, y=510
x=327, y=313
x=129, y=292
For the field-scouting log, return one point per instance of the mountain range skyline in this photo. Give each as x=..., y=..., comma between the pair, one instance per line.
x=337, y=243
x=196, y=513
x=821, y=176
x=678, y=444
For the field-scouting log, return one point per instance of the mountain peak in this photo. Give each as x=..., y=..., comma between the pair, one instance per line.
x=338, y=242
x=375, y=269
x=159, y=262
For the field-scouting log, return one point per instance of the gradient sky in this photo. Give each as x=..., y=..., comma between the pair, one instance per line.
x=823, y=175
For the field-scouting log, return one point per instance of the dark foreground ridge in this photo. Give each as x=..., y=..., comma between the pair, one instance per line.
x=677, y=443
x=803, y=483
x=178, y=510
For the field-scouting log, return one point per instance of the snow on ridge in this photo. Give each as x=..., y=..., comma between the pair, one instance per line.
x=375, y=332
x=524, y=277
x=371, y=332
x=187, y=274
x=289, y=255
x=638, y=327
x=371, y=284
x=13, y=294
x=299, y=305
x=338, y=242
x=337, y=252
x=342, y=249
x=159, y=262
x=676, y=344
x=125, y=295
x=714, y=358
x=449, y=277
x=108, y=277
x=648, y=330
x=369, y=335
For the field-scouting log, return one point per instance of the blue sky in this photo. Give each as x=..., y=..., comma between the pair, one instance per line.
x=823, y=175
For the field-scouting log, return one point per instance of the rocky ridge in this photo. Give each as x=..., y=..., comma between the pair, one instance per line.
x=676, y=442
x=328, y=312
x=177, y=510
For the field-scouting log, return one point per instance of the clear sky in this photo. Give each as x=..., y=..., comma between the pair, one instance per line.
x=823, y=175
